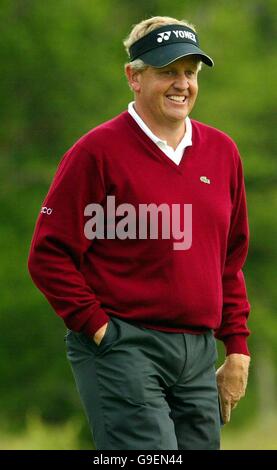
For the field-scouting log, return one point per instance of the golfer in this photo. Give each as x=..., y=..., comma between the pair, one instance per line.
x=139, y=248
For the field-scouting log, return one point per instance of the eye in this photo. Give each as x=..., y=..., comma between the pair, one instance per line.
x=190, y=73
x=168, y=73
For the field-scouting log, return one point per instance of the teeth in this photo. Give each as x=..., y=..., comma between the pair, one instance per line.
x=179, y=99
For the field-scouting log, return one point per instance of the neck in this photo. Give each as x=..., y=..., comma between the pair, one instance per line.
x=171, y=131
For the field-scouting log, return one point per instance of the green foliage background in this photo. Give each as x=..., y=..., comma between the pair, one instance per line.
x=61, y=74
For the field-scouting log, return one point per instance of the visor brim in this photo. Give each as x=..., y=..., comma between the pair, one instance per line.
x=165, y=55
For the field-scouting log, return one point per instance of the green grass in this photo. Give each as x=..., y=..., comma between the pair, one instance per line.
x=41, y=436
x=260, y=435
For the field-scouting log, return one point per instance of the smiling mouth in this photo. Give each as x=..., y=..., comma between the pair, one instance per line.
x=177, y=99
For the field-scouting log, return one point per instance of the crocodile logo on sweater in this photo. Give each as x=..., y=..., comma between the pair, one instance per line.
x=204, y=179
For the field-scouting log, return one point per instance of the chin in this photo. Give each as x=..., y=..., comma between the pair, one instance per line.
x=177, y=117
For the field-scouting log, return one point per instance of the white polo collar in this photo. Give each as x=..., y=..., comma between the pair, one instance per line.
x=175, y=155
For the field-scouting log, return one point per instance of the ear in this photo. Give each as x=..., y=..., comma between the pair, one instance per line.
x=133, y=78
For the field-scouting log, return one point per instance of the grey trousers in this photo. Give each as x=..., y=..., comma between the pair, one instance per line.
x=145, y=389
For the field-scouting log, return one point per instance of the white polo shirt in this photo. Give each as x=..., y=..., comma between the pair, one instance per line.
x=174, y=155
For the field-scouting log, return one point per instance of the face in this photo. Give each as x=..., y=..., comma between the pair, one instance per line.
x=167, y=94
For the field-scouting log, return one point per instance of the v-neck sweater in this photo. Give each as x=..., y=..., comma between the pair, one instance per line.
x=146, y=281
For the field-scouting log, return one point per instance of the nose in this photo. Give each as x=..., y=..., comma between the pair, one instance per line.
x=181, y=82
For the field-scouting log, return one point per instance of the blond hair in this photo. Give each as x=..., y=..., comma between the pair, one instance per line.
x=146, y=26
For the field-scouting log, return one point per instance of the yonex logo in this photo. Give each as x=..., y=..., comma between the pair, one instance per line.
x=163, y=36
x=204, y=179
x=46, y=210
x=179, y=34
x=185, y=34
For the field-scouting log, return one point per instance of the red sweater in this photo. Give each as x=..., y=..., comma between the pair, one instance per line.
x=146, y=281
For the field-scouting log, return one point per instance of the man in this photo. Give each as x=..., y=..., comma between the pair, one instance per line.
x=141, y=308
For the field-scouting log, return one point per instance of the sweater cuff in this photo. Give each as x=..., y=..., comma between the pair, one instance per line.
x=236, y=344
x=95, y=322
